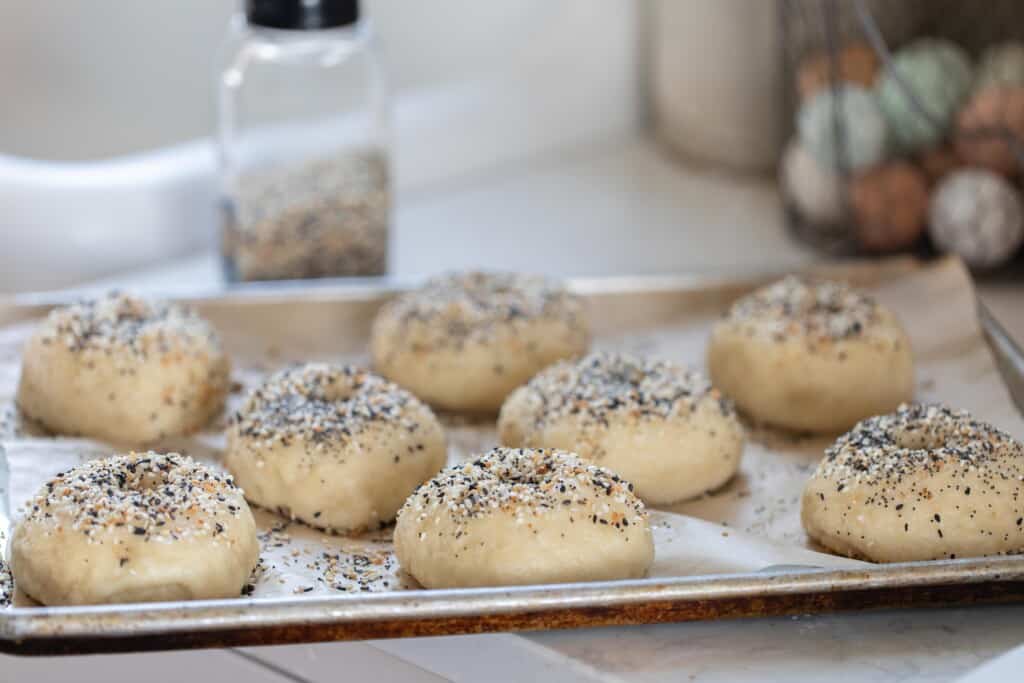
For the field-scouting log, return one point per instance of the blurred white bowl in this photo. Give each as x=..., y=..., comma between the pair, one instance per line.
x=63, y=222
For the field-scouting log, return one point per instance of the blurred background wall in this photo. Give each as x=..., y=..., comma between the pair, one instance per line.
x=105, y=161
x=88, y=80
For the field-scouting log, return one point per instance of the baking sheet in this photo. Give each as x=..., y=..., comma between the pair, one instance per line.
x=750, y=525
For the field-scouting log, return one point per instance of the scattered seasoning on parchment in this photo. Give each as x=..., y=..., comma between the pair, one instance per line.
x=321, y=218
x=257, y=575
x=370, y=567
x=356, y=572
x=10, y=422
x=276, y=536
x=6, y=585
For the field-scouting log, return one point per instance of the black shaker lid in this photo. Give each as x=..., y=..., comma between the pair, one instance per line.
x=302, y=14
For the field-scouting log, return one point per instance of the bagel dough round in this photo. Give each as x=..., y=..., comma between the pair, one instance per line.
x=464, y=341
x=135, y=528
x=922, y=483
x=124, y=370
x=519, y=516
x=334, y=446
x=812, y=356
x=659, y=426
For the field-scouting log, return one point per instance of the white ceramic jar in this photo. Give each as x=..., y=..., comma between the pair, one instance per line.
x=715, y=83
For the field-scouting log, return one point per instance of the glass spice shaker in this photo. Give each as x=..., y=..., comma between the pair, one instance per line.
x=302, y=141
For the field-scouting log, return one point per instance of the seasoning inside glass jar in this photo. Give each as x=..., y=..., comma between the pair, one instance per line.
x=303, y=143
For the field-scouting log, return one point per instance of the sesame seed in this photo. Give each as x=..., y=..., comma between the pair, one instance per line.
x=166, y=496
x=912, y=445
x=121, y=321
x=320, y=403
x=603, y=384
x=526, y=483
x=472, y=305
x=820, y=309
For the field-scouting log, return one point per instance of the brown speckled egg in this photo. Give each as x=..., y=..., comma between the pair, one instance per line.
x=858, y=64
x=984, y=127
x=889, y=204
x=938, y=162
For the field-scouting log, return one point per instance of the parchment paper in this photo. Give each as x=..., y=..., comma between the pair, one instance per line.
x=752, y=523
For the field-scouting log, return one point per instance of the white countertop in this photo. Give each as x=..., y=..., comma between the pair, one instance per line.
x=613, y=208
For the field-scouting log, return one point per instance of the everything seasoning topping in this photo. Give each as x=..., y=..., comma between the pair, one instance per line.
x=528, y=484
x=322, y=403
x=118, y=322
x=472, y=303
x=603, y=383
x=916, y=442
x=323, y=217
x=794, y=305
x=151, y=495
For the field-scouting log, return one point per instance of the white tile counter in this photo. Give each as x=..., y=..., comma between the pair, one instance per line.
x=615, y=208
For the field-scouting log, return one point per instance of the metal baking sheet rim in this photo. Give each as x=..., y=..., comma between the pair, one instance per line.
x=771, y=592
x=795, y=590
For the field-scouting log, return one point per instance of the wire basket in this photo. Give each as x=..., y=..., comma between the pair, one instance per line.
x=843, y=52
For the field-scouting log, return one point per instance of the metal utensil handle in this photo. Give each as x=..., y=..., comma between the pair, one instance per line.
x=1008, y=353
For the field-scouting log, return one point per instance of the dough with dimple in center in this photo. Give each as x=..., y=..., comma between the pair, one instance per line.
x=124, y=370
x=520, y=516
x=463, y=342
x=811, y=355
x=333, y=445
x=659, y=426
x=923, y=483
x=135, y=528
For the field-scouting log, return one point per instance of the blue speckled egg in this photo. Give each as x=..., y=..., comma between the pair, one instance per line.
x=863, y=127
x=1001, y=65
x=939, y=75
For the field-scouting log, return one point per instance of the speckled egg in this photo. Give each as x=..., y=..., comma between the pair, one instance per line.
x=858, y=65
x=865, y=133
x=938, y=74
x=977, y=214
x=889, y=205
x=1001, y=65
x=987, y=127
x=815, y=191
